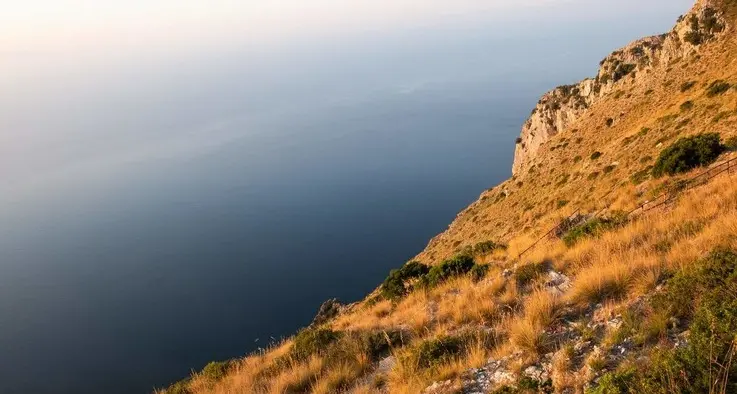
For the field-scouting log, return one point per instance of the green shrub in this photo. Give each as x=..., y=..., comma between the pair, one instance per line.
x=526, y=273
x=561, y=203
x=717, y=88
x=181, y=387
x=456, y=266
x=641, y=176
x=395, y=285
x=527, y=385
x=694, y=37
x=577, y=159
x=731, y=143
x=437, y=351
x=609, y=122
x=721, y=116
x=615, y=383
x=688, y=153
x=704, y=296
x=609, y=169
x=379, y=344
x=479, y=271
x=622, y=70
x=594, y=228
x=486, y=247
x=596, y=155
x=216, y=370
x=313, y=341
x=687, y=106
x=686, y=86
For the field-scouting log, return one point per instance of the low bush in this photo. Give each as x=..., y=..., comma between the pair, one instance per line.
x=486, y=247
x=395, y=285
x=181, y=387
x=641, y=176
x=687, y=106
x=216, y=370
x=622, y=70
x=479, y=271
x=731, y=143
x=437, y=351
x=379, y=344
x=594, y=227
x=526, y=273
x=688, y=153
x=313, y=341
x=717, y=88
x=702, y=296
x=686, y=86
x=456, y=266
x=618, y=382
x=595, y=155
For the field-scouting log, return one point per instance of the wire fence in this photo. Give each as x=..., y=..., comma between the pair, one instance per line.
x=664, y=198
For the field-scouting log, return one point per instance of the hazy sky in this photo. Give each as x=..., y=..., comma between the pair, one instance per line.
x=63, y=24
x=87, y=22
x=96, y=77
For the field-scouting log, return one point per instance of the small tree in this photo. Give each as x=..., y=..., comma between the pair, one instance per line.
x=688, y=153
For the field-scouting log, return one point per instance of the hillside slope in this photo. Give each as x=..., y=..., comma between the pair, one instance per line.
x=614, y=300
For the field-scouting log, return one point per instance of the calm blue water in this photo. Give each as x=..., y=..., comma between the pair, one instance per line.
x=155, y=217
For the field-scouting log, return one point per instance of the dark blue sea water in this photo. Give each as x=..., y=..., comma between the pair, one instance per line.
x=157, y=216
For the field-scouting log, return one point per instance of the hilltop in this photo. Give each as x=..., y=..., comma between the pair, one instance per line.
x=606, y=264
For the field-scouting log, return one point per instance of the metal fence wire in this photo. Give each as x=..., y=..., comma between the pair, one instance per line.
x=666, y=197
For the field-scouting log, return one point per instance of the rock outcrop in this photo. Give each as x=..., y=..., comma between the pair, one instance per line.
x=562, y=106
x=328, y=311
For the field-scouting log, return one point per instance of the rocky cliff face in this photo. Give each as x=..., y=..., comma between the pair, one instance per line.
x=558, y=109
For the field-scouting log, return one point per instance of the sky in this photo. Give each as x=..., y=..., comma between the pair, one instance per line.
x=98, y=77
x=67, y=24
x=82, y=23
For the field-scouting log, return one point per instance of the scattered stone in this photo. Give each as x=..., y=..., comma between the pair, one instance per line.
x=444, y=387
x=386, y=364
x=557, y=283
x=536, y=373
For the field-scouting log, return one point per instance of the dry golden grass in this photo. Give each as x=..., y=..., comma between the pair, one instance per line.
x=364, y=389
x=466, y=302
x=527, y=336
x=541, y=308
x=298, y=377
x=602, y=282
x=527, y=332
x=335, y=379
x=561, y=374
x=409, y=377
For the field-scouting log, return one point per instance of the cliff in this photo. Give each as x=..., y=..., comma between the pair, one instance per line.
x=558, y=109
